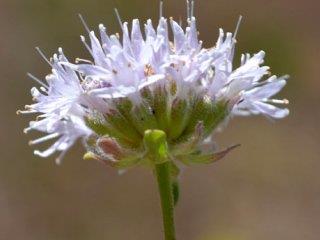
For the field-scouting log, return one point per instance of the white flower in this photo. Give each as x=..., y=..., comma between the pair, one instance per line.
x=62, y=93
x=125, y=68
x=146, y=80
x=66, y=130
x=60, y=103
x=244, y=87
x=256, y=100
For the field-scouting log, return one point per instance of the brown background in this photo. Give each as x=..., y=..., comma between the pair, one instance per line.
x=267, y=189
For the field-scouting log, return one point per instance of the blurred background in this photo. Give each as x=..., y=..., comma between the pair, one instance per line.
x=267, y=189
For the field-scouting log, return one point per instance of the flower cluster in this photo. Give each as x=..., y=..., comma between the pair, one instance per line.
x=149, y=80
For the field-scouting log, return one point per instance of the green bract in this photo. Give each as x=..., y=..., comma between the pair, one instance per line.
x=161, y=127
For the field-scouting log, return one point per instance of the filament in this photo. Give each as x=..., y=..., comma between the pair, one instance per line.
x=43, y=56
x=118, y=18
x=84, y=23
x=161, y=9
x=37, y=80
x=237, y=27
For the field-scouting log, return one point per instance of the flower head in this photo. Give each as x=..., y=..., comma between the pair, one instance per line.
x=148, y=80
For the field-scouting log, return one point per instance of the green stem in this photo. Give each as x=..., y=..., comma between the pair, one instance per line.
x=163, y=173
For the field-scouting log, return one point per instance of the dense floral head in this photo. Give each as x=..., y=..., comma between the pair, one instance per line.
x=147, y=80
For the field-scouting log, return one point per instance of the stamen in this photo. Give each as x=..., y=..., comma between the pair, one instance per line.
x=18, y=112
x=102, y=27
x=148, y=70
x=43, y=139
x=43, y=56
x=285, y=77
x=37, y=153
x=38, y=118
x=286, y=101
x=26, y=130
x=192, y=9
x=118, y=17
x=83, y=39
x=161, y=9
x=188, y=9
x=79, y=60
x=43, y=89
x=58, y=160
x=84, y=23
x=60, y=50
x=278, y=101
x=237, y=27
x=37, y=80
x=180, y=21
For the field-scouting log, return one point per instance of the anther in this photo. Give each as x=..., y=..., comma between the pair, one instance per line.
x=79, y=60
x=58, y=160
x=60, y=50
x=286, y=101
x=277, y=101
x=83, y=39
x=148, y=70
x=26, y=130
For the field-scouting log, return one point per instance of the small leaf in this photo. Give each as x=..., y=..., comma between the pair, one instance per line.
x=199, y=158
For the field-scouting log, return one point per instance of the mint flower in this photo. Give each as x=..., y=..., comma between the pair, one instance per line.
x=148, y=99
x=138, y=83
